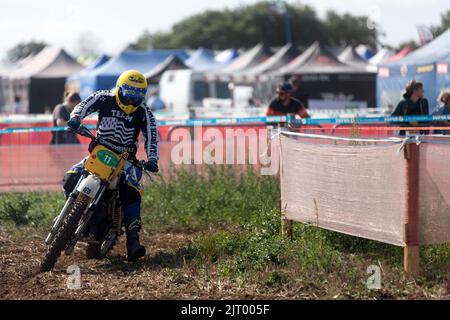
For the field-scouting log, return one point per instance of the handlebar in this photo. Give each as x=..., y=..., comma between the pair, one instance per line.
x=137, y=163
x=85, y=132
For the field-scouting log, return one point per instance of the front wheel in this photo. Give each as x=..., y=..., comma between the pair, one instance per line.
x=65, y=233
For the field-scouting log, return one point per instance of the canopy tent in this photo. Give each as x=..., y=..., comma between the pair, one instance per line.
x=299, y=61
x=4, y=85
x=258, y=79
x=364, y=52
x=282, y=57
x=334, y=50
x=400, y=55
x=350, y=57
x=73, y=82
x=25, y=60
x=171, y=63
x=318, y=59
x=226, y=56
x=101, y=60
x=202, y=60
x=39, y=83
x=3, y=88
x=381, y=56
x=6, y=94
x=329, y=82
x=428, y=64
x=105, y=76
x=247, y=60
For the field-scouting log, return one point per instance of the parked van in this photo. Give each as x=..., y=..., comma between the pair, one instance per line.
x=180, y=89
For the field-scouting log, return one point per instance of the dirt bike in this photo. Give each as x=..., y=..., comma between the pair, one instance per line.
x=93, y=204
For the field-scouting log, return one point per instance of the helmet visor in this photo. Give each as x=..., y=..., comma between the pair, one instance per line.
x=131, y=95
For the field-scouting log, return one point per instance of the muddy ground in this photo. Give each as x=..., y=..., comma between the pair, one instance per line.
x=165, y=273
x=168, y=271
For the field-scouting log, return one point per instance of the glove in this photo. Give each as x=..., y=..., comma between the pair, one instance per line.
x=152, y=166
x=74, y=123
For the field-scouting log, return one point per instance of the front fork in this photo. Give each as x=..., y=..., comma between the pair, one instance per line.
x=91, y=209
x=86, y=218
x=65, y=210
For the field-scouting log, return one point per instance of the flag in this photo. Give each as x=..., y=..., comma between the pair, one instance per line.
x=425, y=34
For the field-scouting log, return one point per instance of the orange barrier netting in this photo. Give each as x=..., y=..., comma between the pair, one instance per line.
x=164, y=132
x=380, y=189
x=32, y=168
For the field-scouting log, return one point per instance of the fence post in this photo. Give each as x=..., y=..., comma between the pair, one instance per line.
x=411, y=259
x=286, y=224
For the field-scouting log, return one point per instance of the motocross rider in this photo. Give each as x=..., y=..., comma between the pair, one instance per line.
x=122, y=115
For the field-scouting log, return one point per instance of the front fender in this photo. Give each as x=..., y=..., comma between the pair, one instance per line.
x=90, y=186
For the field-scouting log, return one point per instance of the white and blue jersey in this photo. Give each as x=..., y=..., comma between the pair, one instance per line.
x=117, y=129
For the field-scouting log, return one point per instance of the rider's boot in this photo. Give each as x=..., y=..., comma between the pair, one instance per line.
x=134, y=249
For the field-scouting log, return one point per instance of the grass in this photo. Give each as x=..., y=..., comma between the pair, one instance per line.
x=218, y=198
x=237, y=217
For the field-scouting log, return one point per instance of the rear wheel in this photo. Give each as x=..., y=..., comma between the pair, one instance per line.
x=65, y=233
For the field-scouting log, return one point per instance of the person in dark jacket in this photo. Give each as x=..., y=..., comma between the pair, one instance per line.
x=285, y=104
x=413, y=103
x=441, y=110
x=61, y=115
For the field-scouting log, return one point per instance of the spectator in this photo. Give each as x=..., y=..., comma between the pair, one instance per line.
x=192, y=112
x=297, y=92
x=155, y=102
x=413, y=103
x=442, y=109
x=61, y=114
x=251, y=103
x=17, y=105
x=284, y=104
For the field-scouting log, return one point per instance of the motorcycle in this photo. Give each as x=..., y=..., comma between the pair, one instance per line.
x=93, y=210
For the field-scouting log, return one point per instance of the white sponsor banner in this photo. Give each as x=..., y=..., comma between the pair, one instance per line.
x=337, y=104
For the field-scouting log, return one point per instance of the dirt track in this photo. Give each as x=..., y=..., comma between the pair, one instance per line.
x=164, y=273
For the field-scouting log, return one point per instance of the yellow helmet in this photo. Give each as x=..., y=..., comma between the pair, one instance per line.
x=131, y=89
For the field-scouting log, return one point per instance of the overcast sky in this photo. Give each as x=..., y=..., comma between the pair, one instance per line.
x=118, y=22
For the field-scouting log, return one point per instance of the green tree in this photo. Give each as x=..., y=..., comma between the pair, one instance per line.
x=144, y=42
x=436, y=30
x=246, y=26
x=444, y=26
x=349, y=30
x=24, y=49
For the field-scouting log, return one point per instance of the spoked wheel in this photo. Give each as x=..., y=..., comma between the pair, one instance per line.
x=65, y=233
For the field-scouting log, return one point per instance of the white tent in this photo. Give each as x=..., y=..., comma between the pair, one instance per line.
x=380, y=56
x=350, y=57
x=40, y=82
x=282, y=57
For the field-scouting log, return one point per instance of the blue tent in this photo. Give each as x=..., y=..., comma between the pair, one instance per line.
x=226, y=56
x=101, y=60
x=429, y=64
x=203, y=60
x=364, y=52
x=105, y=76
x=74, y=80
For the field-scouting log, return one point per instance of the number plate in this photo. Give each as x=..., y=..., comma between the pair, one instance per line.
x=108, y=158
x=102, y=162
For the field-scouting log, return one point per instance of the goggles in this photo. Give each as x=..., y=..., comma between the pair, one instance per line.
x=131, y=95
